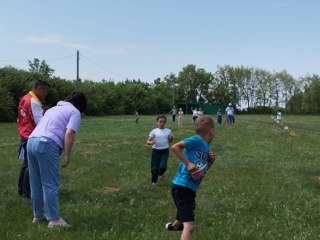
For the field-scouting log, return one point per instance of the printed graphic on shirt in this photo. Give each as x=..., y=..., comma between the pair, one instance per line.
x=201, y=162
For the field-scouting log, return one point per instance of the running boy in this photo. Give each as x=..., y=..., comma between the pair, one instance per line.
x=195, y=159
x=159, y=138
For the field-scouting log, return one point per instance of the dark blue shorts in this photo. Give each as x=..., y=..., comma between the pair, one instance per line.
x=185, y=201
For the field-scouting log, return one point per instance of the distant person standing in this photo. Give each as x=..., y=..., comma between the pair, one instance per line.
x=174, y=113
x=136, y=116
x=219, y=116
x=54, y=134
x=180, y=117
x=279, y=118
x=195, y=114
x=230, y=114
x=30, y=112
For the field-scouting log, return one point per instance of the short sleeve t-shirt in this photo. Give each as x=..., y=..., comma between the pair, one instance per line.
x=278, y=115
x=161, y=137
x=229, y=110
x=55, y=122
x=196, y=151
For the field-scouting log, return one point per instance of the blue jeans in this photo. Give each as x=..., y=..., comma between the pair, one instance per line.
x=44, y=164
x=229, y=118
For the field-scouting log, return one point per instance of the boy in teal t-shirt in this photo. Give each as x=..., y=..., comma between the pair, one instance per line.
x=196, y=158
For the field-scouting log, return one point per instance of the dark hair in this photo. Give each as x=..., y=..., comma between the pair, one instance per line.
x=78, y=99
x=40, y=83
x=161, y=116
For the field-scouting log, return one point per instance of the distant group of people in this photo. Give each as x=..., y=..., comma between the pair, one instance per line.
x=173, y=112
x=196, y=112
x=229, y=115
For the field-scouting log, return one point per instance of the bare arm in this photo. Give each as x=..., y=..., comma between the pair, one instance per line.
x=212, y=158
x=177, y=149
x=68, y=143
x=150, y=141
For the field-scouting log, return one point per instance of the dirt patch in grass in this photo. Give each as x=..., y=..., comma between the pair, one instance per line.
x=89, y=152
x=189, y=131
x=107, y=190
x=8, y=144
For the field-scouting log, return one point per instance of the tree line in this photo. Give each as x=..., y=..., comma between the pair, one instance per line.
x=249, y=89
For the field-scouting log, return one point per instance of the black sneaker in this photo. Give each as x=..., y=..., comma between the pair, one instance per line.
x=169, y=227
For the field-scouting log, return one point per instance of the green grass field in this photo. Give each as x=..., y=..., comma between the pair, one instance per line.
x=263, y=185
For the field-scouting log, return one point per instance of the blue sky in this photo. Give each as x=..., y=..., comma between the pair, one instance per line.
x=147, y=39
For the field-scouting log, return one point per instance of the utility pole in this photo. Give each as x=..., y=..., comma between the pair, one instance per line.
x=77, y=65
x=78, y=79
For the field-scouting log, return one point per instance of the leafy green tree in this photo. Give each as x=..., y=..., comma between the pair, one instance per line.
x=7, y=105
x=17, y=82
x=187, y=84
x=307, y=98
x=95, y=98
x=220, y=93
x=263, y=81
x=194, y=85
x=172, y=83
x=109, y=97
x=204, y=90
x=59, y=89
x=40, y=69
x=160, y=98
x=288, y=85
x=315, y=93
x=295, y=103
x=222, y=85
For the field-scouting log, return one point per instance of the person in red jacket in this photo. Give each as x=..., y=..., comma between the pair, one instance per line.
x=30, y=111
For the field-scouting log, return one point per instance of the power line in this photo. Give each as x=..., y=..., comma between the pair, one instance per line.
x=100, y=66
x=49, y=59
x=8, y=60
x=60, y=58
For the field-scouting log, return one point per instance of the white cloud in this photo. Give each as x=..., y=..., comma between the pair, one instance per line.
x=43, y=39
x=111, y=51
x=280, y=4
x=101, y=51
x=78, y=46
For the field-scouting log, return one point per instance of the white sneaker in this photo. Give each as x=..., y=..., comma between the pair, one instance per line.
x=60, y=224
x=41, y=219
x=162, y=176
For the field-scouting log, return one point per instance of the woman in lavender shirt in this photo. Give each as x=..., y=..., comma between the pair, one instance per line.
x=53, y=135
